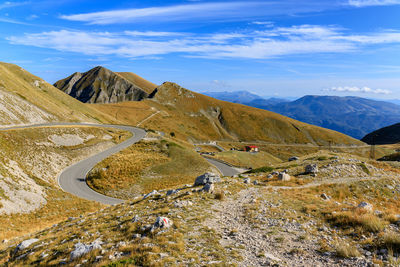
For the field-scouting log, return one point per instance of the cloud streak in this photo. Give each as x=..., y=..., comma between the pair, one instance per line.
x=232, y=10
x=271, y=43
x=355, y=89
x=366, y=3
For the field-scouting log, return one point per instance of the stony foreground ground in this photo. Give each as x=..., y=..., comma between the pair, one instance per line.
x=313, y=219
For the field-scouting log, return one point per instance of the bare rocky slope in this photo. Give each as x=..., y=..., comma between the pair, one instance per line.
x=100, y=85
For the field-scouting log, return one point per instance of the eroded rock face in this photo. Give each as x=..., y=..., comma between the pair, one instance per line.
x=207, y=178
x=100, y=85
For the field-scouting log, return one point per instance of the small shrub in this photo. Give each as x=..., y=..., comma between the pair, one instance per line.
x=368, y=222
x=262, y=169
x=364, y=168
x=391, y=241
x=219, y=196
x=346, y=250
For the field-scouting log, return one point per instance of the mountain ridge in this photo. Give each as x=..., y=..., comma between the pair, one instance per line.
x=351, y=115
x=101, y=85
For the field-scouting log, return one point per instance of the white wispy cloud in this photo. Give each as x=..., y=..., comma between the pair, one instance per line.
x=365, y=3
x=9, y=4
x=153, y=34
x=204, y=11
x=355, y=89
x=274, y=42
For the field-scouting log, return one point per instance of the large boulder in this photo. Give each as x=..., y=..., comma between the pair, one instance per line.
x=283, y=176
x=83, y=249
x=162, y=223
x=26, y=243
x=209, y=188
x=207, y=178
x=311, y=168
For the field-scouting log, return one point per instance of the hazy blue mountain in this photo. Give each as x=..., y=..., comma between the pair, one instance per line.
x=353, y=116
x=246, y=98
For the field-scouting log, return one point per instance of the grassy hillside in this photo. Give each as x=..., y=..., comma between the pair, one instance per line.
x=383, y=136
x=38, y=101
x=192, y=117
x=144, y=84
x=147, y=166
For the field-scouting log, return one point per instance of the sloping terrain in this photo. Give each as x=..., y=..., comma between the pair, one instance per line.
x=30, y=160
x=306, y=221
x=27, y=99
x=135, y=79
x=100, y=85
x=383, y=136
x=194, y=116
x=353, y=116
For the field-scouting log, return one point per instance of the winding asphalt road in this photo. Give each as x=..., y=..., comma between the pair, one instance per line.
x=226, y=170
x=73, y=178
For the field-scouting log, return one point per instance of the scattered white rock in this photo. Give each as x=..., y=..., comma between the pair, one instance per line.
x=26, y=243
x=246, y=180
x=171, y=192
x=283, y=176
x=209, y=188
x=152, y=193
x=183, y=203
x=82, y=249
x=311, y=168
x=365, y=206
x=325, y=196
x=162, y=223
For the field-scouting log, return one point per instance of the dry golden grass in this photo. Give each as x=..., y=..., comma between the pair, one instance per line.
x=346, y=250
x=131, y=112
x=367, y=221
x=391, y=241
x=47, y=97
x=246, y=159
x=194, y=116
x=147, y=166
x=147, y=86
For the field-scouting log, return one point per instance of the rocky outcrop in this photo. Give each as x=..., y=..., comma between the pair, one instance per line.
x=207, y=178
x=100, y=85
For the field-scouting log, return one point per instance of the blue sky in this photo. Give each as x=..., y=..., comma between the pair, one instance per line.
x=272, y=48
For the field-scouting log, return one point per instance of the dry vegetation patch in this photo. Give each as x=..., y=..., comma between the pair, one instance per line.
x=146, y=166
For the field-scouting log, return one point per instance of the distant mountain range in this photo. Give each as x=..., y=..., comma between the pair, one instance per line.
x=354, y=116
x=246, y=98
